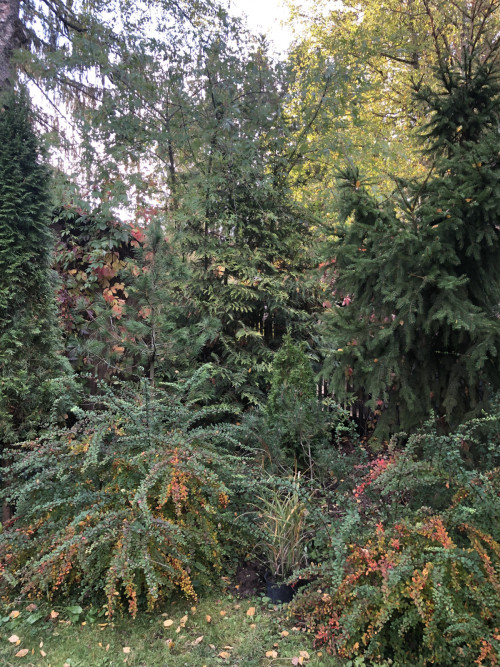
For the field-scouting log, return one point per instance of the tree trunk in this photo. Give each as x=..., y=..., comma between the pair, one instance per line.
x=10, y=38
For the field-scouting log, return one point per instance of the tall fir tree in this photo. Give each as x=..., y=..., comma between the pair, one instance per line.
x=418, y=274
x=29, y=357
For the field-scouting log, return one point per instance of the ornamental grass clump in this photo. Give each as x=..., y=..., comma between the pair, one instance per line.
x=284, y=530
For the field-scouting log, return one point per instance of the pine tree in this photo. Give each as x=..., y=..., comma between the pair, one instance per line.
x=28, y=324
x=418, y=273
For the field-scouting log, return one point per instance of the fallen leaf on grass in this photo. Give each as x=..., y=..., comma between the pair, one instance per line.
x=251, y=611
x=14, y=614
x=22, y=653
x=208, y=618
x=229, y=648
x=297, y=661
x=42, y=653
x=41, y=644
x=178, y=629
x=223, y=613
x=54, y=614
x=271, y=654
x=126, y=649
x=183, y=620
x=224, y=654
x=168, y=623
x=252, y=625
x=193, y=610
x=304, y=654
x=198, y=640
x=285, y=633
x=14, y=639
x=212, y=646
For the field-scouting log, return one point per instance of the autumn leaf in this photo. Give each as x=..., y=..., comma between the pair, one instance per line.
x=285, y=633
x=126, y=649
x=54, y=614
x=183, y=620
x=168, y=623
x=224, y=654
x=271, y=654
x=208, y=618
x=14, y=614
x=223, y=613
x=42, y=653
x=14, y=639
x=22, y=653
x=304, y=654
x=198, y=640
x=251, y=611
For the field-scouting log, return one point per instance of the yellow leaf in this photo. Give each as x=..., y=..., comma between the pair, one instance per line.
x=126, y=649
x=198, y=640
x=22, y=653
x=208, y=618
x=183, y=620
x=178, y=629
x=14, y=614
x=14, y=639
x=168, y=623
x=251, y=611
x=41, y=644
x=193, y=610
x=358, y=183
x=229, y=648
x=285, y=633
x=42, y=653
x=304, y=654
x=252, y=625
x=54, y=614
x=223, y=613
x=271, y=654
x=224, y=654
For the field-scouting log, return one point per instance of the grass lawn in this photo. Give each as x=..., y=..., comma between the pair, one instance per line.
x=220, y=630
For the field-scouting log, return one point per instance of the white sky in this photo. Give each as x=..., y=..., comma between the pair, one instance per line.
x=266, y=16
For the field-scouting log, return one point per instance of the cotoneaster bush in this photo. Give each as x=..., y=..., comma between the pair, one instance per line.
x=421, y=586
x=135, y=501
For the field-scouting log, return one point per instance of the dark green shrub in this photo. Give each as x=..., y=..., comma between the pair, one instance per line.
x=137, y=500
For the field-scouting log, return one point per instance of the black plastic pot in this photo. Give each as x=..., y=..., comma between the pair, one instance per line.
x=279, y=593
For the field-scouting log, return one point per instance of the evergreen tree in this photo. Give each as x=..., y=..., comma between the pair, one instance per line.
x=418, y=274
x=28, y=324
